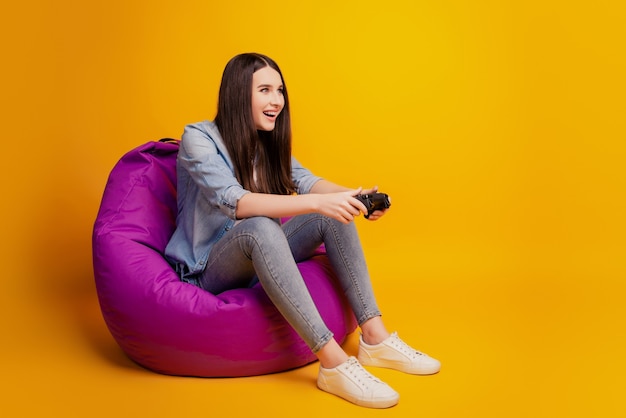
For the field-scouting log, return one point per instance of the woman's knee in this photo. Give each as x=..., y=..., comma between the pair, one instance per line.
x=263, y=229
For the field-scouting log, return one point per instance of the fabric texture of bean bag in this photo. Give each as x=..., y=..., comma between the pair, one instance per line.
x=172, y=327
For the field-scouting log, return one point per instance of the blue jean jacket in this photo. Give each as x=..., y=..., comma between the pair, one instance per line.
x=208, y=192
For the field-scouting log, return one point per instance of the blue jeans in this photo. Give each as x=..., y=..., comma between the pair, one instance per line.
x=261, y=247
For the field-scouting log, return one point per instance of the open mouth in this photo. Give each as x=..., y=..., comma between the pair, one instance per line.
x=270, y=114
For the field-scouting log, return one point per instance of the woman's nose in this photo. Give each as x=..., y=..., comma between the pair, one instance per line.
x=276, y=98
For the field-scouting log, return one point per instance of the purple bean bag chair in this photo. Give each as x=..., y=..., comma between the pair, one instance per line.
x=175, y=328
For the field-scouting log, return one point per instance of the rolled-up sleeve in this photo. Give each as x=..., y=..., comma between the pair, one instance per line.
x=208, y=169
x=302, y=177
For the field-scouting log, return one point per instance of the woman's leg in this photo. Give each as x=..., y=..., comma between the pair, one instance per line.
x=377, y=347
x=258, y=246
x=306, y=233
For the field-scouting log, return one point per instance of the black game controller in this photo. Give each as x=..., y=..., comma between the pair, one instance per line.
x=374, y=201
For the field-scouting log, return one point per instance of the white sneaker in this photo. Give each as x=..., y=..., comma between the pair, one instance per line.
x=393, y=353
x=353, y=383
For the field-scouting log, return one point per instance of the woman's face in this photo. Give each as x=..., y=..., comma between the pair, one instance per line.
x=267, y=98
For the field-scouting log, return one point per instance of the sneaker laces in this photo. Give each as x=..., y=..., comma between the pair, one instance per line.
x=362, y=376
x=403, y=347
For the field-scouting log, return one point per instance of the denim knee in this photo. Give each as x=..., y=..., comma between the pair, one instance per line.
x=263, y=228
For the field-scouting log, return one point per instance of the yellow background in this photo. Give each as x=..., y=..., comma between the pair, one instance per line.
x=497, y=127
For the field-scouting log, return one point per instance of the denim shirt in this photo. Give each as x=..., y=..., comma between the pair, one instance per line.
x=208, y=192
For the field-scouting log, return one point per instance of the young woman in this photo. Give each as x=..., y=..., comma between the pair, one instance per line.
x=236, y=179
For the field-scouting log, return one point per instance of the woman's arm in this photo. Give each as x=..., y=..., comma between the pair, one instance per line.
x=335, y=202
x=325, y=186
x=325, y=197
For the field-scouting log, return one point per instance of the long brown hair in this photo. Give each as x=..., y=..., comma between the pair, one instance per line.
x=234, y=119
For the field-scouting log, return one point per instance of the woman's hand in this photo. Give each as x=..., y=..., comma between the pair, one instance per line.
x=369, y=191
x=377, y=214
x=341, y=206
x=332, y=198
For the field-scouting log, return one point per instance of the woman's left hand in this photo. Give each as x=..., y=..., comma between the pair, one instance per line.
x=377, y=214
x=370, y=191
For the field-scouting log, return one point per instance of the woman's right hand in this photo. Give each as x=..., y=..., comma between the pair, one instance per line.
x=342, y=206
